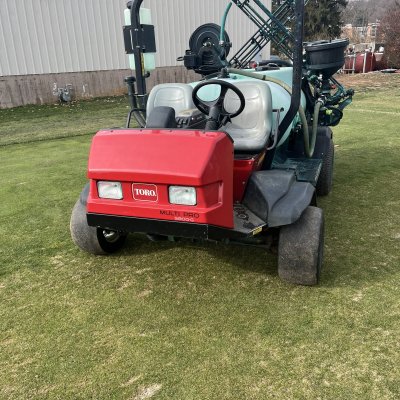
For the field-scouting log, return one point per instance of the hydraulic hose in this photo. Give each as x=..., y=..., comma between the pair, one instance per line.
x=223, y=22
x=317, y=109
x=260, y=77
x=309, y=147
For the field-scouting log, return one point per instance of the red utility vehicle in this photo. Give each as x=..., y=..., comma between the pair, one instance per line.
x=239, y=157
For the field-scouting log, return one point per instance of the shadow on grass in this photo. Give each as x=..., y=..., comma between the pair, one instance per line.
x=241, y=257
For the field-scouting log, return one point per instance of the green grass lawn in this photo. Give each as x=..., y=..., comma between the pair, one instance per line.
x=38, y=123
x=183, y=321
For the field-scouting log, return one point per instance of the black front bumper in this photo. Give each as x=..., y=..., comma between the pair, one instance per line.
x=166, y=228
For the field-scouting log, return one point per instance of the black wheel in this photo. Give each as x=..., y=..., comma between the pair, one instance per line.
x=325, y=180
x=301, y=248
x=90, y=239
x=325, y=131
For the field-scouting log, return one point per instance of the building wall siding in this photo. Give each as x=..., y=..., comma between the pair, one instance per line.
x=20, y=90
x=61, y=36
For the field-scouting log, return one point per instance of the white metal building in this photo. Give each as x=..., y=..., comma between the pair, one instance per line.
x=47, y=37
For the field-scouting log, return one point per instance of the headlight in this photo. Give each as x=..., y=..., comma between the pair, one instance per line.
x=182, y=195
x=110, y=190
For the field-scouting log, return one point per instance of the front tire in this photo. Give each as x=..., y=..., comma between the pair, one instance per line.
x=301, y=248
x=90, y=239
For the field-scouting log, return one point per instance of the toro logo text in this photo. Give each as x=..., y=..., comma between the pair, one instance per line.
x=144, y=192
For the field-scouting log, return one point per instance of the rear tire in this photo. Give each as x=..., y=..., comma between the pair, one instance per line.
x=301, y=248
x=90, y=239
x=325, y=180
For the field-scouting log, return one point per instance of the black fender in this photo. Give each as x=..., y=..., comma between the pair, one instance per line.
x=277, y=198
x=84, y=194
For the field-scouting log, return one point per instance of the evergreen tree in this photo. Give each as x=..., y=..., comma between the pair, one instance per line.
x=323, y=19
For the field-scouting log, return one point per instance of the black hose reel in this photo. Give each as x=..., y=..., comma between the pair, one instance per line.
x=206, y=54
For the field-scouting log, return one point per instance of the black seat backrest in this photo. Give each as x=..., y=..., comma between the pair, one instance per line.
x=161, y=117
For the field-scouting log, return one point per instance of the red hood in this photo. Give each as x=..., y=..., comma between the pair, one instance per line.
x=163, y=158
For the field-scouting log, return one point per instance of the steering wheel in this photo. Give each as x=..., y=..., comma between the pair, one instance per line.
x=215, y=109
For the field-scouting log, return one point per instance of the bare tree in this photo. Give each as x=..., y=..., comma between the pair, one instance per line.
x=362, y=12
x=359, y=12
x=390, y=31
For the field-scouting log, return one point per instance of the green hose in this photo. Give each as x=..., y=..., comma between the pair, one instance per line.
x=223, y=22
x=309, y=147
x=260, y=78
x=306, y=134
x=317, y=109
